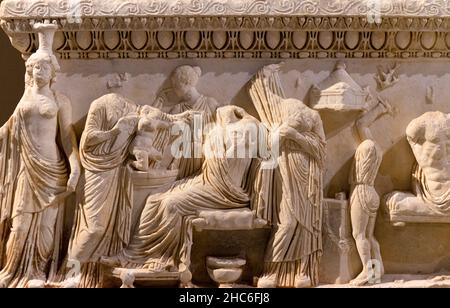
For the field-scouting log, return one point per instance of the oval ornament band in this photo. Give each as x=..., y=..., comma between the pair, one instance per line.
x=148, y=29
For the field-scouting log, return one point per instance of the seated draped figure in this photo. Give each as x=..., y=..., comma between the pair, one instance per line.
x=161, y=242
x=429, y=138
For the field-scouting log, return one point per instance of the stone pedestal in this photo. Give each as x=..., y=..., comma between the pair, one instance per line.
x=340, y=261
x=228, y=234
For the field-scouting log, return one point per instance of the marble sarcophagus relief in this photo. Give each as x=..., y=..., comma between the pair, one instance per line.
x=227, y=143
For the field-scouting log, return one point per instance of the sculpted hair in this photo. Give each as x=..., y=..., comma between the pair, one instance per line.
x=37, y=58
x=186, y=75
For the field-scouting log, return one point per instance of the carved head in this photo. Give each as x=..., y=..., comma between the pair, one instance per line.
x=184, y=80
x=149, y=117
x=41, y=69
x=42, y=66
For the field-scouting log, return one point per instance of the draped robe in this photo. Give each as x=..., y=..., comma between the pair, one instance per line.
x=291, y=194
x=30, y=182
x=437, y=202
x=163, y=237
x=102, y=225
x=191, y=165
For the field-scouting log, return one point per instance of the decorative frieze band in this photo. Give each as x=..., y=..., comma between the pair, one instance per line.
x=108, y=8
x=290, y=43
x=197, y=29
x=297, y=23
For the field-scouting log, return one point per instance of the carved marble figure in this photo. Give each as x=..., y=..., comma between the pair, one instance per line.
x=103, y=220
x=364, y=200
x=103, y=212
x=158, y=184
x=35, y=179
x=142, y=146
x=162, y=240
x=184, y=81
x=428, y=136
x=294, y=251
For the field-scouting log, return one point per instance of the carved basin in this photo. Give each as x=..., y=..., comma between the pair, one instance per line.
x=225, y=271
x=152, y=179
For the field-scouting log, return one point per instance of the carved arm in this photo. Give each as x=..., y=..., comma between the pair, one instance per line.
x=69, y=142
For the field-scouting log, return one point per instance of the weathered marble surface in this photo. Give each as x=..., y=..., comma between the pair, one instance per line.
x=176, y=56
x=429, y=201
x=39, y=8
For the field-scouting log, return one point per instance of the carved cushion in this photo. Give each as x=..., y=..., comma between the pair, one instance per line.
x=236, y=219
x=406, y=207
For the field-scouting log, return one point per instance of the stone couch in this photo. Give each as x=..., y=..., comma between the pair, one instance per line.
x=117, y=84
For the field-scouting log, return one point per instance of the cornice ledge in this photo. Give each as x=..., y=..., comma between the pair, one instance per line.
x=35, y=9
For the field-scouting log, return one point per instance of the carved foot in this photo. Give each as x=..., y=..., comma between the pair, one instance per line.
x=36, y=284
x=112, y=261
x=361, y=280
x=71, y=283
x=187, y=285
x=302, y=282
x=259, y=222
x=267, y=282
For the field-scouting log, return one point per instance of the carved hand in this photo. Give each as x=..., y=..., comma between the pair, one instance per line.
x=187, y=116
x=101, y=136
x=389, y=109
x=272, y=68
x=56, y=200
x=286, y=132
x=73, y=180
x=127, y=123
x=112, y=133
x=184, y=118
x=129, y=120
x=266, y=156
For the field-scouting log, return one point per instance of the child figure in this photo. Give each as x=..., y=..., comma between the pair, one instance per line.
x=142, y=146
